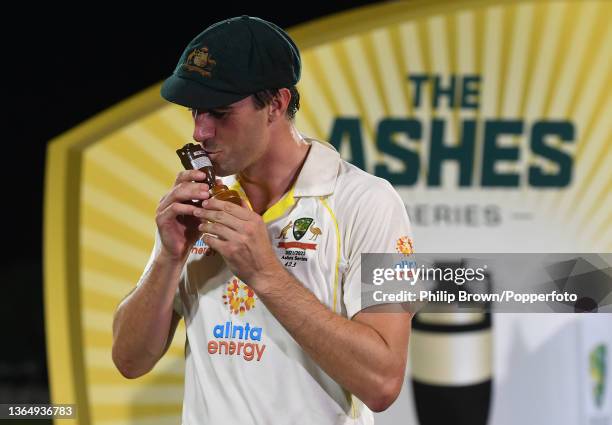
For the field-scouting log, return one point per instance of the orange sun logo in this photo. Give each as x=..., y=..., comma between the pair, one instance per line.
x=405, y=245
x=239, y=297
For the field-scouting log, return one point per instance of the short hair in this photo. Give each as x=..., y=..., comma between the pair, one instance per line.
x=264, y=98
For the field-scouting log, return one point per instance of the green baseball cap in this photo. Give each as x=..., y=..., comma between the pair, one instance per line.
x=231, y=60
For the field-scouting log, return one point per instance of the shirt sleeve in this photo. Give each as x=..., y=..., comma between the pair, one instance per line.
x=379, y=224
x=177, y=303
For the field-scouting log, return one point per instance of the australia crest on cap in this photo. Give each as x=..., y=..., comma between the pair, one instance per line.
x=200, y=61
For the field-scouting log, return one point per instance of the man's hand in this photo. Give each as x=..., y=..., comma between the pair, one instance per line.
x=144, y=323
x=241, y=237
x=366, y=355
x=176, y=223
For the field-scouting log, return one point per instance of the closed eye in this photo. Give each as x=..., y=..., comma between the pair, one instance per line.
x=215, y=113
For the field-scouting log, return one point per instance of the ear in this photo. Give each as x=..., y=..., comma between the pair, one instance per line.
x=279, y=104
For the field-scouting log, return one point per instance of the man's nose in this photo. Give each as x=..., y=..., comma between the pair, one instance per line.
x=204, y=127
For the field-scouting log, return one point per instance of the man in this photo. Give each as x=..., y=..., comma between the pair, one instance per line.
x=271, y=292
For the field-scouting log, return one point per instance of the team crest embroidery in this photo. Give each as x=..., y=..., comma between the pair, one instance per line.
x=284, y=230
x=301, y=227
x=200, y=61
x=239, y=297
x=405, y=245
x=316, y=232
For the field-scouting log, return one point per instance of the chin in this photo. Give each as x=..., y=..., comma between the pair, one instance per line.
x=222, y=171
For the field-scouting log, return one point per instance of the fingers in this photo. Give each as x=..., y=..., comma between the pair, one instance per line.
x=184, y=184
x=227, y=221
x=189, y=175
x=221, y=217
x=241, y=213
x=219, y=230
x=174, y=210
x=216, y=244
x=184, y=192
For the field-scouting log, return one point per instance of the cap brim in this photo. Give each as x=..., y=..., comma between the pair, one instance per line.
x=185, y=92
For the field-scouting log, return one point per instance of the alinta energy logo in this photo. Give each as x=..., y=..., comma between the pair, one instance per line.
x=239, y=297
x=405, y=245
x=232, y=339
x=200, y=248
x=236, y=339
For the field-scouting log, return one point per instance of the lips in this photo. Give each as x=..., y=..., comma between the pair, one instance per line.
x=213, y=155
x=210, y=151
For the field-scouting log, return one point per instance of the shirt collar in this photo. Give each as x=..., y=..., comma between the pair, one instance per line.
x=319, y=172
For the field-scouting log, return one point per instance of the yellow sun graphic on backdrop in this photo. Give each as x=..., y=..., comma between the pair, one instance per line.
x=105, y=177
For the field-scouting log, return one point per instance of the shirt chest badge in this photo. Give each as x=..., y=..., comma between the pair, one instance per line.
x=305, y=234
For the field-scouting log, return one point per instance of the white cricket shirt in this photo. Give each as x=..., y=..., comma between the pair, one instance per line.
x=241, y=365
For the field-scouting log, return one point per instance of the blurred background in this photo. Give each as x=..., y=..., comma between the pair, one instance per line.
x=67, y=67
x=532, y=62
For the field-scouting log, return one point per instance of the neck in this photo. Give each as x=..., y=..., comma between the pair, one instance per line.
x=268, y=179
